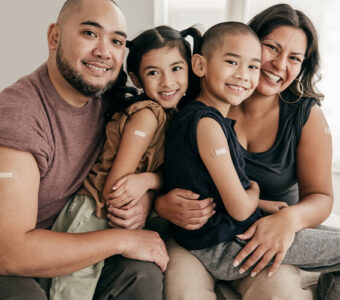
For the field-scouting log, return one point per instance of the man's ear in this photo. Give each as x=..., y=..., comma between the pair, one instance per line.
x=53, y=34
x=135, y=80
x=198, y=63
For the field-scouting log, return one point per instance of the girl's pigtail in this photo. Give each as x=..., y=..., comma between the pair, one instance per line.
x=120, y=96
x=196, y=36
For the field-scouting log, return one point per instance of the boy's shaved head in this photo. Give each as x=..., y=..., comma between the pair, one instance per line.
x=70, y=6
x=214, y=36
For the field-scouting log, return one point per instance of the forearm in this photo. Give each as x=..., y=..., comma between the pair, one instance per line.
x=310, y=212
x=44, y=253
x=155, y=180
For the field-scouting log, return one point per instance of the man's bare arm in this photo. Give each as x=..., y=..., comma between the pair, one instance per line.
x=27, y=251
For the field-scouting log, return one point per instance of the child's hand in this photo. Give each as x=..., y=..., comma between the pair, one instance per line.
x=127, y=191
x=271, y=207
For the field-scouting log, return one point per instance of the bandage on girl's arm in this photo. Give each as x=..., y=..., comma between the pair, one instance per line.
x=214, y=151
x=137, y=135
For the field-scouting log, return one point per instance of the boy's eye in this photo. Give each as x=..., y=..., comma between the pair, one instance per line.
x=253, y=67
x=232, y=62
x=89, y=33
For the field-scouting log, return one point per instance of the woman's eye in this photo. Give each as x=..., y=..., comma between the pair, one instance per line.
x=272, y=47
x=177, y=68
x=297, y=59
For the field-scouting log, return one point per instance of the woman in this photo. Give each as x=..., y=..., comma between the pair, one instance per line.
x=287, y=147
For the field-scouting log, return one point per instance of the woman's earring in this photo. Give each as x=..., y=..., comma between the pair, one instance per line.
x=301, y=93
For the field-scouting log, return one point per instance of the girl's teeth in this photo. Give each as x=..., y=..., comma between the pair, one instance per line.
x=271, y=75
x=168, y=93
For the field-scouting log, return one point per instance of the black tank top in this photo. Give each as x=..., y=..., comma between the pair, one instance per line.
x=275, y=169
x=184, y=168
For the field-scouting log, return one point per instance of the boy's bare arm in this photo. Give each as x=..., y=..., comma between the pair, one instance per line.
x=34, y=252
x=214, y=151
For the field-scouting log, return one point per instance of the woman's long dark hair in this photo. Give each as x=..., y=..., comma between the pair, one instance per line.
x=284, y=15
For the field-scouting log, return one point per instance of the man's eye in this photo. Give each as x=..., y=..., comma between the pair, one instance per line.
x=89, y=33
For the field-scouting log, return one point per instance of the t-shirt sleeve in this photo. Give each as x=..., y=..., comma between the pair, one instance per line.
x=22, y=127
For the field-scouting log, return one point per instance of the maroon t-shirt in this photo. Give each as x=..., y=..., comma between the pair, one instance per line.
x=64, y=140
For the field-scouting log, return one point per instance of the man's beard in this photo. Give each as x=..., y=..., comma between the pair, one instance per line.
x=75, y=79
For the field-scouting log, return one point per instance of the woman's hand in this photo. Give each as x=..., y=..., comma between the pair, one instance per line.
x=270, y=238
x=127, y=191
x=182, y=208
x=271, y=207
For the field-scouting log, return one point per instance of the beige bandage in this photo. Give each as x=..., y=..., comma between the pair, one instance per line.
x=221, y=151
x=327, y=130
x=140, y=133
x=7, y=175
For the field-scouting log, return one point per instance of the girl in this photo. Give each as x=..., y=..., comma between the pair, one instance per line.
x=158, y=62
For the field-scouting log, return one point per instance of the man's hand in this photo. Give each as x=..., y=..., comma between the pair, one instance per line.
x=182, y=208
x=146, y=245
x=131, y=217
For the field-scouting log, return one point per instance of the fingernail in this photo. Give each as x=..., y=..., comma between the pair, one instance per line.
x=239, y=235
x=195, y=195
x=236, y=263
x=241, y=271
x=253, y=274
x=270, y=274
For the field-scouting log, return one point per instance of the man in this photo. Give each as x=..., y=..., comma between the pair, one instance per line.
x=51, y=129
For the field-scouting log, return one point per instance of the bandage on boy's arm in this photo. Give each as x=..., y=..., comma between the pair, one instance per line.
x=239, y=203
x=137, y=136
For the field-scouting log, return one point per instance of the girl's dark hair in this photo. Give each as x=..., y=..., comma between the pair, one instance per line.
x=284, y=15
x=165, y=36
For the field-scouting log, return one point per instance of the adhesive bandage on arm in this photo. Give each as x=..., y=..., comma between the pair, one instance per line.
x=7, y=175
x=140, y=133
x=327, y=130
x=220, y=151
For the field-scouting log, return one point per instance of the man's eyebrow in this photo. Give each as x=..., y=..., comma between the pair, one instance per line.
x=96, y=24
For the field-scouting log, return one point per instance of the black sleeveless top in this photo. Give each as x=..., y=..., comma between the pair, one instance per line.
x=275, y=169
x=184, y=168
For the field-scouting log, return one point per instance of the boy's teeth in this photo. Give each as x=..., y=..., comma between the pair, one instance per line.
x=168, y=93
x=235, y=87
x=271, y=75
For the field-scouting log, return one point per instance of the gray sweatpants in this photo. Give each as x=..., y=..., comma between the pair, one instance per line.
x=314, y=250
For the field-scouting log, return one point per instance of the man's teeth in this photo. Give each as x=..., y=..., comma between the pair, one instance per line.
x=238, y=88
x=271, y=75
x=96, y=68
x=168, y=93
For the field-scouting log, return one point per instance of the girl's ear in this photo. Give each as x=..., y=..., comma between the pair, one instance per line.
x=198, y=65
x=135, y=80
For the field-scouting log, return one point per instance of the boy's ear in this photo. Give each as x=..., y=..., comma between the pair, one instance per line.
x=198, y=65
x=135, y=80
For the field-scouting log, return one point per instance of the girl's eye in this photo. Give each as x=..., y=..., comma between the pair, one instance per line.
x=151, y=73
x=177, y=68
x=89, y=33
x=231, y=62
